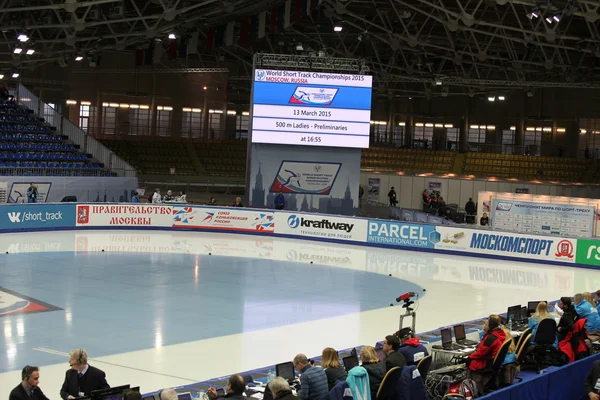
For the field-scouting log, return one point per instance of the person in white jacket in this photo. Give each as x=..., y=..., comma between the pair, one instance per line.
x=156, y=198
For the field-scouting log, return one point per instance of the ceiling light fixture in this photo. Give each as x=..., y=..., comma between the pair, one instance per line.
x=30, y=52
x=438, y=82
x=1, y=76
x=78, y=58
x=492, y=98
x=172, y=36
x=556, y=18
x=549, y=20
x=15, y=75
x=18, y=50
x=337, y=28
x=501, y=98
x=22, y=38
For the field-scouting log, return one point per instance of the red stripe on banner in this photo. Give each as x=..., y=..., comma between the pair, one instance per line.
x=210, y=38
x=244, y=30
x=273, y=26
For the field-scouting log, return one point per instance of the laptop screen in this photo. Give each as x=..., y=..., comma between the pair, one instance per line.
x=523, y=316
x=350, y=362
x=459, y=332
x=513, y=312
x=286, y=371
x=446, y=336
x=184, y=396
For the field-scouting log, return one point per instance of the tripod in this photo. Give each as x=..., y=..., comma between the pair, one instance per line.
x=410, y=312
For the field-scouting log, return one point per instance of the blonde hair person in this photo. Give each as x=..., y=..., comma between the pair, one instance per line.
x=511, y=368
x=330, y=358
x=541, y=312
x=512, y=347
x=369, y=355
x=375, y=368
x=335, y=372
x=588, y=296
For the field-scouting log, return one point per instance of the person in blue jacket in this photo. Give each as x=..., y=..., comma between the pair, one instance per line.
x=134, y=197
x=279, y=201
x=584, y=310
x=541, y=312
x=32, y=193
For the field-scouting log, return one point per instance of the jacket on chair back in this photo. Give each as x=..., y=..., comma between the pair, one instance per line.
x=487, y=349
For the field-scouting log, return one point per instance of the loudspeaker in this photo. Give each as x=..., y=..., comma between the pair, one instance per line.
x=69, y=199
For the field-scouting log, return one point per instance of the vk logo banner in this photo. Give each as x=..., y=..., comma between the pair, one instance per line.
x=37, y=216
x=304, y=177
x=401, y=234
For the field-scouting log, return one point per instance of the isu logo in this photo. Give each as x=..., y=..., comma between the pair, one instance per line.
x=83, y=214
x=564, y=249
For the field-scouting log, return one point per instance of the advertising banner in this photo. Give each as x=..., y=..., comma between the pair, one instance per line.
x=304, y=177
x=373, y=190
x=232, y=219
x=124, y=215
x=402, y=234
x=588, y=252
x=321, y=226
x=506, y=244
x=543, y=218
x=37, y=216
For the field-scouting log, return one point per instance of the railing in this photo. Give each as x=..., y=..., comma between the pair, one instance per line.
x=23, y=171
x=87, y=143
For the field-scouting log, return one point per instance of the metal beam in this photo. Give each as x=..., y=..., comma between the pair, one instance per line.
x=152, y=71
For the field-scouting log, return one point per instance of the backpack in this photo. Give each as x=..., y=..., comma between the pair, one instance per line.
x=468, y=388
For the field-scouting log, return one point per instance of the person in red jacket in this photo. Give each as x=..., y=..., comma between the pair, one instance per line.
x=480, y=362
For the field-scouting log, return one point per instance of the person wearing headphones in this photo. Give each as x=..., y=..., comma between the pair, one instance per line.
x=82, y=378
x=411, y=347
x=28, y=389
x=480, y=361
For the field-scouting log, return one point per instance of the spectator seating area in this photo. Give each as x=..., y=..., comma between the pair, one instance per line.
x=223, y=159
x=526, y=167
x=394, y=159
x=154, y=157
x=228, y=158
x=30, y=147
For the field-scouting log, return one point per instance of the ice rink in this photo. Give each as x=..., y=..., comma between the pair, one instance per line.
x=159, y=309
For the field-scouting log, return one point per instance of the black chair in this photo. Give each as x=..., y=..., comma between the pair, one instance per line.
x=544, y=339
x=497, y=366
x=525, y=333
x=387, y=389
x=424, y=365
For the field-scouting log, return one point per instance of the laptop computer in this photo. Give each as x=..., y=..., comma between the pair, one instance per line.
x=184, y=396
x=461, y=336
x=350, y=362
x=447, y=344
x=286, y=371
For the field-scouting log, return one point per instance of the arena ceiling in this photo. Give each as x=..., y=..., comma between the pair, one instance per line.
x=412, y=47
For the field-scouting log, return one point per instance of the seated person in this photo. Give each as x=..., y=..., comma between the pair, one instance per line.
x=375, y=368
x=212, y=201
x=313, y=381
x=511, y=368
x=541, y=313
x=480, y=362
x=584, y=310
x=167, y=394
x=568, y=318
x=236, y=387
x=182, y=196
x=393, y=358
x=238, y=202
x=485, y=220
x=590, y=299
x=168, y=196
x=281, y=389
x=334, y=370
x=411, y=347
x=591, y=382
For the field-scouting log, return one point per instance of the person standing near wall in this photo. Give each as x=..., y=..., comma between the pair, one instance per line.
x=392, y=197
x=32, y=193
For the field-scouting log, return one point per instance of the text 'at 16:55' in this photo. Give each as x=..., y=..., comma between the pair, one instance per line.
x=311, y=139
